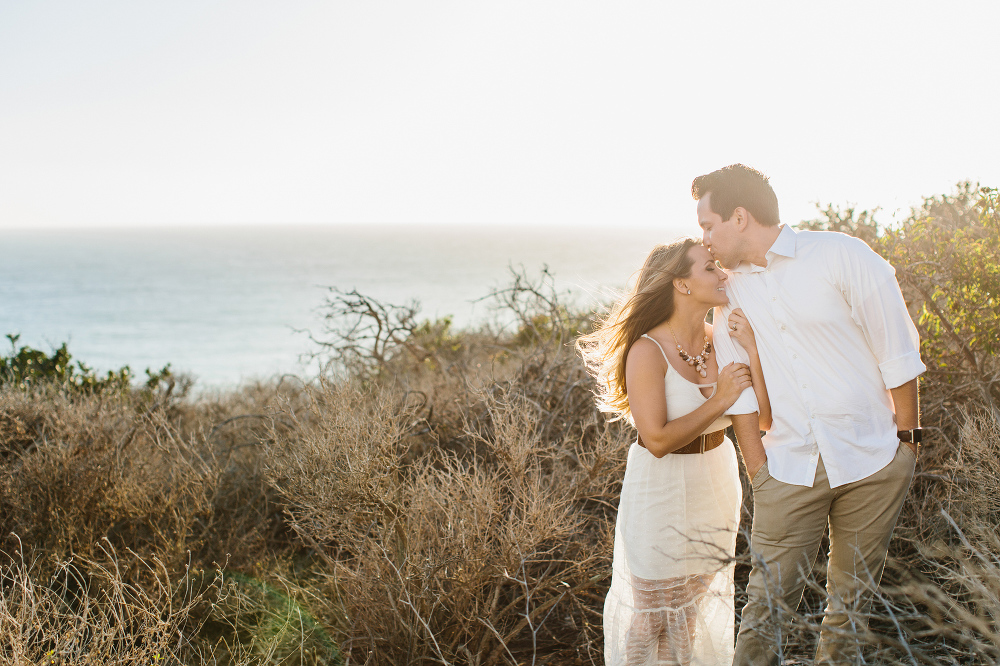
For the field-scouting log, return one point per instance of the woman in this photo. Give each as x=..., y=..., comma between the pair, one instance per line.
x=671, y=596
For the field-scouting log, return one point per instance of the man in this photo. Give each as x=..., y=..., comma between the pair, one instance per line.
x=841, y=361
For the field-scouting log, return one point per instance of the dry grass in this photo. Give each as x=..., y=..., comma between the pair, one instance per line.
x=86, y=612
x=436, y=554
x=451, y=502
x=939, y=600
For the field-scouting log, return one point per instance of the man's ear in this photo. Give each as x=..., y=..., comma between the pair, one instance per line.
x=741, y=217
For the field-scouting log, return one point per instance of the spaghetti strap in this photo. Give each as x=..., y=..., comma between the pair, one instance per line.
x=658, y=345
x=714, y=385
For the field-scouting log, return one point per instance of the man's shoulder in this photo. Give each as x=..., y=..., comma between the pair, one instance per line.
x=830, y=239
x=842, y=255
x=833, y=245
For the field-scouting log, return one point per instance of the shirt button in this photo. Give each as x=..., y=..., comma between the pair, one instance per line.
x=774, y=298
x=795, y=355
x=782, y=327
x=804, y=386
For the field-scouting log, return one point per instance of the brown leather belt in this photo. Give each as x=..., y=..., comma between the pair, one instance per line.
x=711, y=440
x=703, y=443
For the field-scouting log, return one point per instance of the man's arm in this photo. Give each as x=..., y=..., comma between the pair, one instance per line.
x=746, y=427
x=905, y=403
x=877, y=306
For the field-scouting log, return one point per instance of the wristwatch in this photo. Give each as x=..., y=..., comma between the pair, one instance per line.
x=913, y=436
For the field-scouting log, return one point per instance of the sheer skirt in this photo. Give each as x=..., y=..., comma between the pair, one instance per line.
x=671, y=596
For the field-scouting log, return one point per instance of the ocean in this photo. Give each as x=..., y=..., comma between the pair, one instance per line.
x=233, y=304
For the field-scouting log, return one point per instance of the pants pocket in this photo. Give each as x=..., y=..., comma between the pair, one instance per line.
x=758, y=479
x=907, y=451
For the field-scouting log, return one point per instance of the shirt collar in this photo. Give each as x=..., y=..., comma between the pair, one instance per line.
x=784, y=245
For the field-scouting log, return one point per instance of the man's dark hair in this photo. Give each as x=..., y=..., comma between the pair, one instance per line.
x=737, y=185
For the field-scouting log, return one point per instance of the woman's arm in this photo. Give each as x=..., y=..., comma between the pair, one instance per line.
x=645, y=369
x=744, y=335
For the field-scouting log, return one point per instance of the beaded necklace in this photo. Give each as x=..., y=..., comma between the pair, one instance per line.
x=700, y=361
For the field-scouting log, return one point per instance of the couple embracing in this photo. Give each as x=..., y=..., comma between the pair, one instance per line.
x=813, y=345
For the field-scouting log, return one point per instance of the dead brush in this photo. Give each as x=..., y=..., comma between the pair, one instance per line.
x=454, y=505
x=87, y=612
x=164, y=479
x=939, y=597
x=113, y=491
x=96, y=466
x=461, y=497
x=942, y=613
x=461, y=558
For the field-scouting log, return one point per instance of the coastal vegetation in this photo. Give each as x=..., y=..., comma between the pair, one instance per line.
x=443, y=496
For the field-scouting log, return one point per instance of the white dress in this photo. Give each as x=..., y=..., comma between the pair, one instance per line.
x=671, y=597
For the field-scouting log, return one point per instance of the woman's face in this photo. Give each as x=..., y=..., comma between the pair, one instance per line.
x=707, y=281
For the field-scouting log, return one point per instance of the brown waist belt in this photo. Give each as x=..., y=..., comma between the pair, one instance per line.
x=703, y=443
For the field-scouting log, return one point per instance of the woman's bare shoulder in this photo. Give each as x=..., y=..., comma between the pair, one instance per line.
x=644, y=351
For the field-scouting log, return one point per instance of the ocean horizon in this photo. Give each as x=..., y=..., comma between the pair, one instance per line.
x=233, y=304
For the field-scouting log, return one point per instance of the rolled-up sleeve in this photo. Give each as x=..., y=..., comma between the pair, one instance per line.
x=728, y=352
x=877, y=306
x=898, y=371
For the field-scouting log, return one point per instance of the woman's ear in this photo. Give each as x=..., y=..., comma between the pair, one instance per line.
x=681, y=286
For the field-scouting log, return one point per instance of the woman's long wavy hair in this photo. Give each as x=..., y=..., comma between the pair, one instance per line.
x=649, y=302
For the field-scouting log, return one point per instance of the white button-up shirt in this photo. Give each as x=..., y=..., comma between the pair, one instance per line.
x=833, y=335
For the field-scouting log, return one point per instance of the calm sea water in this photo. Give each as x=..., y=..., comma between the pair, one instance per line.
x=224, y=303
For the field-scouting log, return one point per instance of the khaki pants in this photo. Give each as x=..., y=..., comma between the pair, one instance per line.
x=788, y=525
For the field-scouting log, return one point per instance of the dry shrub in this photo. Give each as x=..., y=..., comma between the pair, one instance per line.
x=462, y=556
x=170, y=484
x=97, y=466
x=452, y=501
x=958, y=548
x=86, y=612
x=163, y=478
x=939, y=598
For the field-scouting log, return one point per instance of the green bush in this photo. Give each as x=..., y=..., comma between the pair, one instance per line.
x=26, y=366
x=947, y=259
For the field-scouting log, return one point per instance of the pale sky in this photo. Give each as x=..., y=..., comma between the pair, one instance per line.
x=575, y=113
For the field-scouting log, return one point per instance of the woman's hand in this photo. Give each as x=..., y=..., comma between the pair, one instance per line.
x=741, y=331
x=733, y=380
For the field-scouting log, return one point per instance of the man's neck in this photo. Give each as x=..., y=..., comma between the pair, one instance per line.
x=762, y=242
